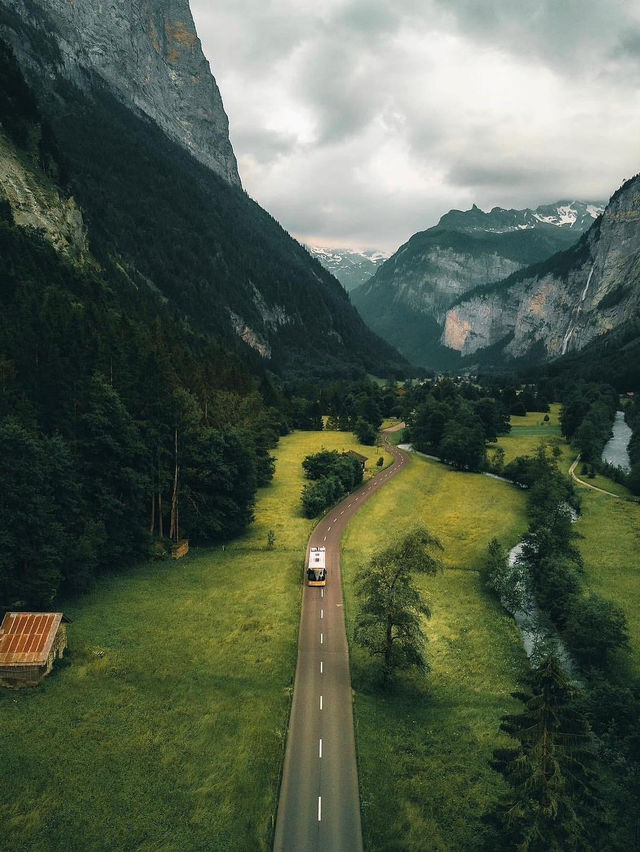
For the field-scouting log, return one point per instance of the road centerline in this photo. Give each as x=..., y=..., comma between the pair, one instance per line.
x=331, y=774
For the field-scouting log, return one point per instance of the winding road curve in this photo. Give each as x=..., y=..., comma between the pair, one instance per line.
x=319, y=807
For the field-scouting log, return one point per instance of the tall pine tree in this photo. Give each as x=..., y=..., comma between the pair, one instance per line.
x=553, y=801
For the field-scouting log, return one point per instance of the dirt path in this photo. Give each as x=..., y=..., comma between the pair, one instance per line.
x=572, y=473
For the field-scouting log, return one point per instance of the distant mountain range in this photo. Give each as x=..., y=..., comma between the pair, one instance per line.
x=350, y=267
x=589, y=293
x=407, y=299
x=569, y=215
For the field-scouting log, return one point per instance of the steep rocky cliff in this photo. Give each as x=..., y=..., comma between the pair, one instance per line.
x=37, y=203
x=564, y=303
x=176, y=225
x=149, y=56
x=408, y=298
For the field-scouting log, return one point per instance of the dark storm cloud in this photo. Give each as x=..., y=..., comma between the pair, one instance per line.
x=365, y=120
x=481, y=174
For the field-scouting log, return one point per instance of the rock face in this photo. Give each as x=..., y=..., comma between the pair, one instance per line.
x=38, y=205
x=150, y=57
x=408, y=298
x=564, y=303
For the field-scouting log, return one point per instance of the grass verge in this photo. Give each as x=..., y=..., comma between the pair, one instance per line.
x=423, y=750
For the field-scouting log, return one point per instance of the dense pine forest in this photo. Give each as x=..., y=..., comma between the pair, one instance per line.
x=102, y=390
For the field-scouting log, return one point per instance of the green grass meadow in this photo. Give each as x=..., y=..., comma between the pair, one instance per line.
x=423, y=750
x=165, y=729
x=528, y=432
x=610, y=547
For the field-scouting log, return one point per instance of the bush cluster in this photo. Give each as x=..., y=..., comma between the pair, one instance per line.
x=332, y=476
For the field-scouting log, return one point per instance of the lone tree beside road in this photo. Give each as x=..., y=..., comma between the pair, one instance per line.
x=389, y=624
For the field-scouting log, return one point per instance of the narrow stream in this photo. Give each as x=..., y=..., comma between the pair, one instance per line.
x=616, y=451
x=536, y=630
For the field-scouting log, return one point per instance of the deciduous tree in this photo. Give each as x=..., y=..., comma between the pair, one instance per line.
x=389, y=624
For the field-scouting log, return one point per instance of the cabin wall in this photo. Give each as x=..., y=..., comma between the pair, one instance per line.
x=15, y=677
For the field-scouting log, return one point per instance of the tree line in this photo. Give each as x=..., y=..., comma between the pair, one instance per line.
x=455, y=422
x=97, y=379
x=572, y=774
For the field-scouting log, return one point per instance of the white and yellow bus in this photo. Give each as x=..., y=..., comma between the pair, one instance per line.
x=316, y=569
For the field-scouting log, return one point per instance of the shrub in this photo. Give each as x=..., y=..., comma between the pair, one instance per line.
x=595, y=629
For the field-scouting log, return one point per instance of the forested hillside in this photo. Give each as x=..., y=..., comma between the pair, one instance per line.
x=172, y=224
x=98, y=377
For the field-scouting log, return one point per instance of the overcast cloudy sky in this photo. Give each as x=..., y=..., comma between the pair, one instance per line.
x=359, y=122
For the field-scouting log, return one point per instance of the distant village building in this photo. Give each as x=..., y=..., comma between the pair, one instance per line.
x=362, y=459
x=30, y=642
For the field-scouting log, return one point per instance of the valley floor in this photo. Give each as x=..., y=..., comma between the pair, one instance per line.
x=166, y=729
x=424, y=750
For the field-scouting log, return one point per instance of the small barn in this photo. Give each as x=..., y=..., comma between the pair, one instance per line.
x=360, y=458
x=30, y=642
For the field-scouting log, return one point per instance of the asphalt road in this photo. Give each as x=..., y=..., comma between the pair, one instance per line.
x=319, y=808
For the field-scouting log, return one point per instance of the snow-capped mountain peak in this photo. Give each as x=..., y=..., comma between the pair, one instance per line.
x=576, y=215
x=350, y=266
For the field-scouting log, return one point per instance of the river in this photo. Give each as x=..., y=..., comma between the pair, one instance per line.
x=537, y=632
x=616, y=451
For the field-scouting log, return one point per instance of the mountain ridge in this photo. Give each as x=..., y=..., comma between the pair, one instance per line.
x=564, y=303
x=407, y=299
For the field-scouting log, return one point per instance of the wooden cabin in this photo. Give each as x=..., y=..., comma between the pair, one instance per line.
x=30, y=642
x=358, y=456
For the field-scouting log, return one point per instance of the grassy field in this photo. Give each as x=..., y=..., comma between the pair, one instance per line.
x=611, y=550
x=423, y=751
x=166, y=730
x=527, y=433
x=601, y=482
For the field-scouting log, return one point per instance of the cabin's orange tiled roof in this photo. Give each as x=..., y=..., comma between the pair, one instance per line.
x=26, y=637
